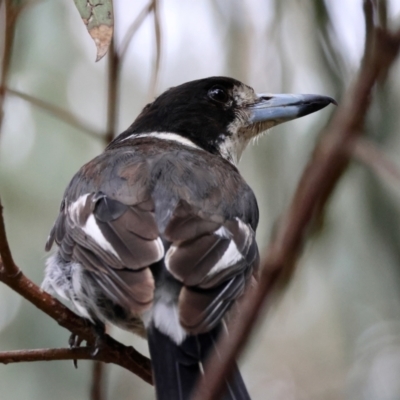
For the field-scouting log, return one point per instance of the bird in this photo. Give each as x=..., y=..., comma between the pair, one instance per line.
x=157, y=235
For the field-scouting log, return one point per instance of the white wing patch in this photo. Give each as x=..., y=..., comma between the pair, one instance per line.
x=169, y=254
x=75, y=208
x=92, y=229
x=231, y=257
x=232, y=254
x=223, y=232
x=160, y=248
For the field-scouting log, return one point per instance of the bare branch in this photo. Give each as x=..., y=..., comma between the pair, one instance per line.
x=382, y=13
x=319, y=179
x=369, y=154
x=12, y=12
x=368, y=7
x=111, y=350
x=79, y=353
x=17, y=356
x=7, y=267
x=156, y=70
x=133, y=28
x=113, y=92
x=97, y=388
x=57, y=112
x=115, y=62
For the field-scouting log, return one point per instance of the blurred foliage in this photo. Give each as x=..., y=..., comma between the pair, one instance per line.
x=336, y=332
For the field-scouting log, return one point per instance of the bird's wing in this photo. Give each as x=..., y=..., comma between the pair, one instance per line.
x=213, y=260
x=115, y=243
x=117, y=221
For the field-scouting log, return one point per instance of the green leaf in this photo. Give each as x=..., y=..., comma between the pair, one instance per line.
x=98, y=17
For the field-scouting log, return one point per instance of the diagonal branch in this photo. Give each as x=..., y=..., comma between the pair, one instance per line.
x=369, y=154
x=319, y=179
x=156, y=69
x=7, y=266
x=57, y=112
x=12, y=11
x=133, y=29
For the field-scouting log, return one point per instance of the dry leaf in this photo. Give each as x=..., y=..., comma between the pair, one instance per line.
x=99, y=20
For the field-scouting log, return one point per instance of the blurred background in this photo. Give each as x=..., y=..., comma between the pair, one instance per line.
x=335, y=333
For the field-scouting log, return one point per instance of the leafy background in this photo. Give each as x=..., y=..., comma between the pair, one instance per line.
x=335, y=333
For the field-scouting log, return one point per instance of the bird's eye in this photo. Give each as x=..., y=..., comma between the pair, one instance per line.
x=218, y=94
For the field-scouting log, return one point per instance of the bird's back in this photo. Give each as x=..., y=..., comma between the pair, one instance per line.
x=180, y=212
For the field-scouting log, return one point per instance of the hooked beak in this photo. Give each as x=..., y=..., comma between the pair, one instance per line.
x=278, y=108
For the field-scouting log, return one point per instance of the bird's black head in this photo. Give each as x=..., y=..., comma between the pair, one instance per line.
x=219, y=114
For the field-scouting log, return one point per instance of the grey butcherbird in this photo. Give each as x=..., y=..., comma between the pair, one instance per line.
x=157, y=234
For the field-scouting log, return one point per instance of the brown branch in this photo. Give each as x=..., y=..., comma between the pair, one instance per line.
x=79, y=353
x=116, y=59
x=12, y=12
x=57, y=112
x=319, y=179
x=368, y=8
x=156, y=69
x=7, y=267
x=97, y=388
x=111, y=351
x=126, y=41
x=113, y=91
x=369, y=154
x=17, y=356
x=382, y=13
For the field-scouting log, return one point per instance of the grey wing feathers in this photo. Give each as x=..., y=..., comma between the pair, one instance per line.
x=213, y=260
x=202, y=231
x=115, y=243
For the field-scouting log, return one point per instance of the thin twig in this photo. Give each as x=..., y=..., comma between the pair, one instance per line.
x=17, y=356
x=115, y=63
x=368, y=7
x=382, y=13
x=319, y=179
x=11, y=15
x=126, y=41
x=111, y=350
x=113, y=92
x=97, y=388
x=156, y=69
x=369, y=154
x=8, y=266
x=57, y=112
x=80, y=353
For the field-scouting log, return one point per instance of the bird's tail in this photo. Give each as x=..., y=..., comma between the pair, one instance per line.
x=176, y=368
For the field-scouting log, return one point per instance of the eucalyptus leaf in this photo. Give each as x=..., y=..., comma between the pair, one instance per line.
x=98, y=17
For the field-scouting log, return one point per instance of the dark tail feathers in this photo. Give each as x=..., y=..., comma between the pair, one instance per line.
x=177, y=368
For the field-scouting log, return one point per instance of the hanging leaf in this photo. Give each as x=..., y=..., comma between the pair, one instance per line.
x=98, y=17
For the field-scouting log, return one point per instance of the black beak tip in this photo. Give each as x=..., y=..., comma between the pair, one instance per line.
x=315, y=104
x=332, y=101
